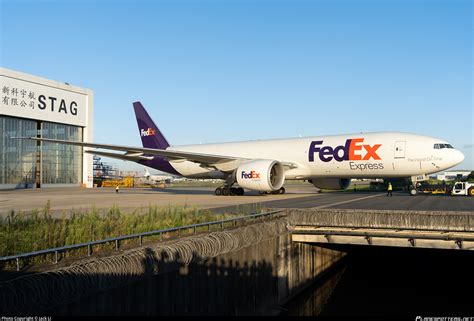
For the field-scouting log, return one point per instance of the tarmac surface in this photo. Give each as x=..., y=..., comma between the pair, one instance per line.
x=63, y=200
x=379, y=200
x=297, y=196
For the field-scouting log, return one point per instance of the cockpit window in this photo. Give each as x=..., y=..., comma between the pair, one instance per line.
x=441, y=146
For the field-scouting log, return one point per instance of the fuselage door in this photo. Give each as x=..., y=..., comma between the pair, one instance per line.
x=400, y=149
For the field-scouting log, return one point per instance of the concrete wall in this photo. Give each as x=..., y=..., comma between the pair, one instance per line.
x=255, y=279
x=458, y=221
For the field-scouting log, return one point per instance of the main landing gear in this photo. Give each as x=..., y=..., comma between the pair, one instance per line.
x=232, y=191
x=278, y=191
x=227, y=190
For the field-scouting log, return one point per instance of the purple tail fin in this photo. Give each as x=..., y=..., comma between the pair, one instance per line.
x=149, y=132
x=152, y=138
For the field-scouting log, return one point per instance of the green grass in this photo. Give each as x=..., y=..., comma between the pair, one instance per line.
x=22, y=232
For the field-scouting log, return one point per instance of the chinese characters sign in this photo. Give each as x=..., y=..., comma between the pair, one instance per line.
x=28, y=99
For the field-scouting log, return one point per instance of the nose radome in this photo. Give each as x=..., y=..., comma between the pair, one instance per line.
x=458, y=157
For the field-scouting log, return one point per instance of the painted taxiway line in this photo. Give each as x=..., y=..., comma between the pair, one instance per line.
x=349, y=201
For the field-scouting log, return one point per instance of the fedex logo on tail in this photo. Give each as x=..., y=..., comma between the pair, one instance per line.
x=148, y=132
x=250, y=175
x=353, y=150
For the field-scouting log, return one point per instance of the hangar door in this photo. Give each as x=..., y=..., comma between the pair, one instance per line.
x=400, y=149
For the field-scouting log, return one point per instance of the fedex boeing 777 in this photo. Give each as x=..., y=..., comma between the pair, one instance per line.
x=328, y=162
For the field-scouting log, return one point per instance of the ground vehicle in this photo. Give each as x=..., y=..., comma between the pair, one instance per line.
x=459, y=188
x=432, y=189
x=463, y=188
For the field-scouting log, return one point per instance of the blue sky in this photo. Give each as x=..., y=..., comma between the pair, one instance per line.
x=216, y=71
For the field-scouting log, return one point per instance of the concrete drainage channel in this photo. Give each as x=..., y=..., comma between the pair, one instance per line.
x=249, y=269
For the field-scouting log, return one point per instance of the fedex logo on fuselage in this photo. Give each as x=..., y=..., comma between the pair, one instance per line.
x=251, y=175
x=352, y=150
x=148, y=132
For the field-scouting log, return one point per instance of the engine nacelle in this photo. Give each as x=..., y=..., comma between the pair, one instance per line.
x=331, y=183
x=261, y=175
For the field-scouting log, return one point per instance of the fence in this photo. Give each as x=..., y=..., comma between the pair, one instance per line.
x=179, y=230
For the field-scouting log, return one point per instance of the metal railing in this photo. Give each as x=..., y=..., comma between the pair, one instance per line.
x=140, y=236
x=410, y=235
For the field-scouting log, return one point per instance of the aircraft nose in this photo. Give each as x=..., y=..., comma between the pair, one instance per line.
x=458, y=157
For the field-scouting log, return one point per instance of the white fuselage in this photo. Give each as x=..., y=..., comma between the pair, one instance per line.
x=364, y=155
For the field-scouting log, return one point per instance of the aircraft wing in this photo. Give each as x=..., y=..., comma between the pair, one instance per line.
x=220, y=162
x=133, y=158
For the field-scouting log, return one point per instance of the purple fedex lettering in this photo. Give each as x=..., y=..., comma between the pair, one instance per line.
x=313, y=149
x=343, y=152
x=251, y=175
x=327, y=153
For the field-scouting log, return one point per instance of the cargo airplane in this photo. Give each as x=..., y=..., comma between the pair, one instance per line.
x=157, y=178
x=328, y=162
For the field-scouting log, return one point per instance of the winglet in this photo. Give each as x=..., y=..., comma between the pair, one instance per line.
x=150, y=134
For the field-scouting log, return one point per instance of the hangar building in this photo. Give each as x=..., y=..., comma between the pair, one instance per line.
x=33, y=106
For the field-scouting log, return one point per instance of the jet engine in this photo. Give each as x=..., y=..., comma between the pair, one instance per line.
x=261, y=175
x=331, y=183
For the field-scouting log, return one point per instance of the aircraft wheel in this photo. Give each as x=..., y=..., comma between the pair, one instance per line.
x=233, y=191
x=240, y=191
x=218, y=191
x=225, y=191
x=282, y=190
